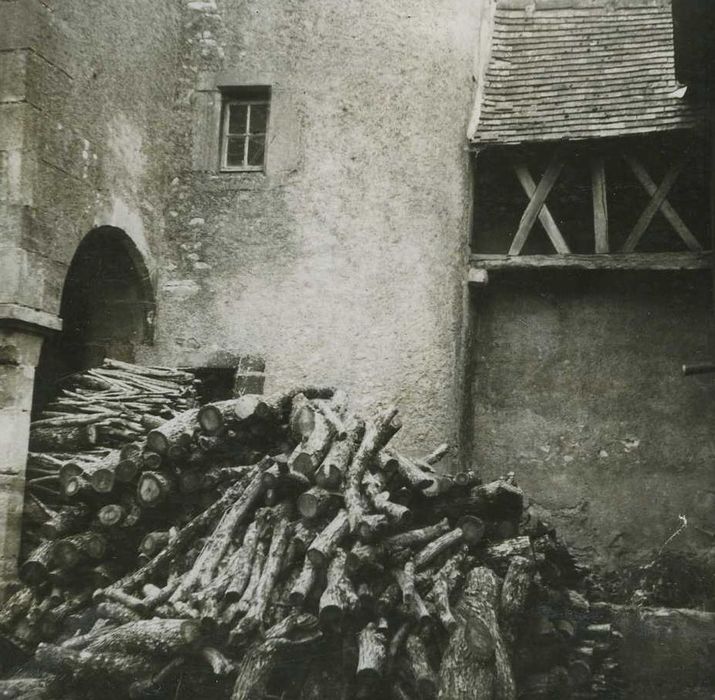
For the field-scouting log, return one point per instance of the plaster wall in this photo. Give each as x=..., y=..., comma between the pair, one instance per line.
x=577, y=388
x=343, y=263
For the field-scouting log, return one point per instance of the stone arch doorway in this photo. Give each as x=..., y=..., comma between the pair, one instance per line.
x=108, y=308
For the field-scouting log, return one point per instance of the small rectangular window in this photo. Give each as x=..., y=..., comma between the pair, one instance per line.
x=244, y=128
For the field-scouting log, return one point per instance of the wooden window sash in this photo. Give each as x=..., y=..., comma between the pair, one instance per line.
x=226, y=134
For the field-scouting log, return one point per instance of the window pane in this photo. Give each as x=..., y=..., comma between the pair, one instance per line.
x=234, y=151
x=259, y=117
x=256, y=147
x=237, y=117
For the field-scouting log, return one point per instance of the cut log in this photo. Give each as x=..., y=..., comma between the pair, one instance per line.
x=67, y=521
x=154, y=488
x=365, y=558
x=440, y=596
x=261, y=658
x=412, y=475
x=442, y=544
x=183, y=539
x=205, y=567
x=276, y=407
x=153, y=542
x=323, y=547
x=308, y=455
x=87, y=665
x=316, y=502
x=378, y=433
x=302, y=417
x=302, y=587
x=423, y=676
x=514, y=595
x=111, y=515
x=372, y=657
x=337, y=596
x=240, y=571
x=437, y=455
x=160, y=637
x=35, y=568
x=175, y=432
x=420, y=536
x=233, y=412
x=70, y=551
x=271, y=569
x=62, y=438
x=259, y=561
x=405, y=578
x=468, y=478
x=16, y=607
x=475, y=663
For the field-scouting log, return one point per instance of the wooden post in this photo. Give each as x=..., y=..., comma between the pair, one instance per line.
x=547, y=221
x=533, y=209
x=600, y=204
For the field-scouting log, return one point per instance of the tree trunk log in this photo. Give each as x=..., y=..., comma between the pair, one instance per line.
x=514, y=595
x=67, y=521
x=323, y=547
x=254, y=616
x=316, y=501
x=372, y=656
x=308, y=455
x=261, y=658
x=475, y=665
x=414, y=538
x=160, y=637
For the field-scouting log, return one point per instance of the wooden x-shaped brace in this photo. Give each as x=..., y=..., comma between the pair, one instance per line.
x=659, y=201
x=536, y=208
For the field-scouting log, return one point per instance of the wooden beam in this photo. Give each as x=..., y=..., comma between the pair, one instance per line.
x=611, y=261
x=656, y=200
x=547, y=221
x=478, y=276
x=600, y=204
x=534, y=206
x=668, y=212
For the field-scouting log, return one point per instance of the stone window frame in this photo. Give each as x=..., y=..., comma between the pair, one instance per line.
x=239, y=96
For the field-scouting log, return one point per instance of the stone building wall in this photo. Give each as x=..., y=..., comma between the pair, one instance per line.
x=345, y=261
x=87, y=94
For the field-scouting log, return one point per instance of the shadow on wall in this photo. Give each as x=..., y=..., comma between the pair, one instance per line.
x=107, y=307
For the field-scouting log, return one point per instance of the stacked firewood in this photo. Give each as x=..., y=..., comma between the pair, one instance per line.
x=278, y=547
x=79, y=439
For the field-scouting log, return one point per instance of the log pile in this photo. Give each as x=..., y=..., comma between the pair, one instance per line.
x=79, y=443
x=279, y=547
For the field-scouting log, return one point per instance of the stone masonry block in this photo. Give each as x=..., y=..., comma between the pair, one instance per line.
x=12, y=493
x=19, y=347
x=18, y=121
x=13, y=65
x=14, y=432
x=16, y=386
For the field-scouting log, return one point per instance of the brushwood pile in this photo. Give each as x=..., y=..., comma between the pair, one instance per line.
x=280, y=547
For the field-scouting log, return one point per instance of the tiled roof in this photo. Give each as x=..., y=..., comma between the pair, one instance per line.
x=579, y=69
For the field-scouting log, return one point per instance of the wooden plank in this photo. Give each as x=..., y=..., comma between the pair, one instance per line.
x=666, y=208
x=533, y=209
x=600, y=204
x=654, y=205
x=610, y=261
x=547, y=221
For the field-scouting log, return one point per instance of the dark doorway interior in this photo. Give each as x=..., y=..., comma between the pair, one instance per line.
x=107, y=309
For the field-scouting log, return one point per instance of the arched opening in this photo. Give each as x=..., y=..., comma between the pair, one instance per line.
x=107, y=309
